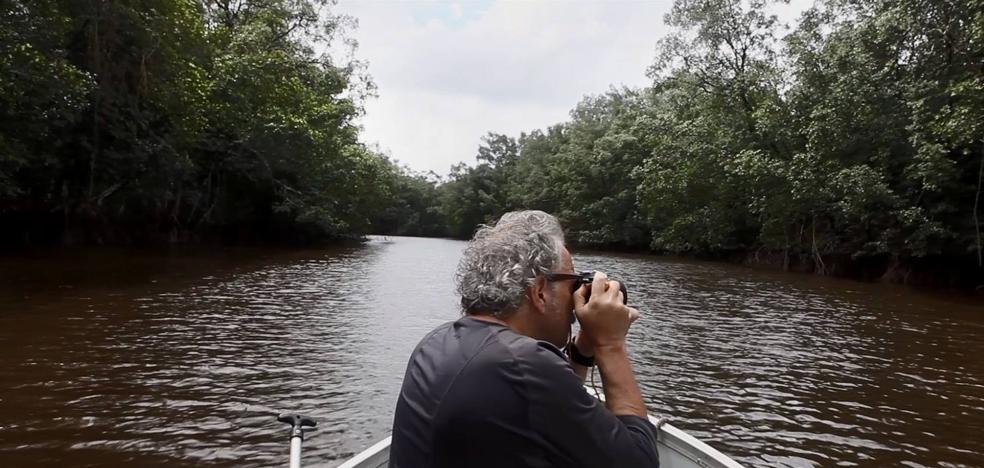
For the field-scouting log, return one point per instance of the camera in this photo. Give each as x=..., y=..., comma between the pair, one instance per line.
x=587, y=277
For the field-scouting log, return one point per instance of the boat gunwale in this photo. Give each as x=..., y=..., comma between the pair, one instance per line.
x=369, y=455
x=683, y=443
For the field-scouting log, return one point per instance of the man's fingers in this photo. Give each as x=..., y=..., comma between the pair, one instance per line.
x=579, y=299
x=598, y=284
x=614, y=290
x=633, y=314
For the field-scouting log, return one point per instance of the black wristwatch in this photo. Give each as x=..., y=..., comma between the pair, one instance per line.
x=576, y=357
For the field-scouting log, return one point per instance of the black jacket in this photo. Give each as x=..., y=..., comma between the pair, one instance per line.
x=476, y=394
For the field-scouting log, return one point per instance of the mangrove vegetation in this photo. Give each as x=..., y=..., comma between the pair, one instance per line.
x=850, y=144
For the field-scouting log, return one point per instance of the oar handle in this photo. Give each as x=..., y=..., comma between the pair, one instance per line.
x=298, y=423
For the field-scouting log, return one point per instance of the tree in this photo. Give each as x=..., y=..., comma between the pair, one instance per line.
x=170, y=120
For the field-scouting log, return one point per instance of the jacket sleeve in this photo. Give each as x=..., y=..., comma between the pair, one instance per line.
x=577, y=429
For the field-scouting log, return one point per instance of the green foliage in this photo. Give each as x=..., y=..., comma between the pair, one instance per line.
x=163, y=119
x=581, y=170
x=41, y=93
x=864, y=143
x=414, y=208
x=857, y=134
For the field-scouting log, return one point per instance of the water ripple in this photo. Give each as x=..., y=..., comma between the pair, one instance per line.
x=187, y=364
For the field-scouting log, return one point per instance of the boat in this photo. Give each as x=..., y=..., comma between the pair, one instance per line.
x=677, y=449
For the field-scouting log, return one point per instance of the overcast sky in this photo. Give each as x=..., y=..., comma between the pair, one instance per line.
x=450, y=72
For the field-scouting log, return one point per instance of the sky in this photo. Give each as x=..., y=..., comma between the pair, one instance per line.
x=449, y=72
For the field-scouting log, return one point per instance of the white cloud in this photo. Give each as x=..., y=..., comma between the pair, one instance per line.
x=448, y=73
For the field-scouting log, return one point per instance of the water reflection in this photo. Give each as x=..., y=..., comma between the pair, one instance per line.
x=114, y=358
x=794, y=373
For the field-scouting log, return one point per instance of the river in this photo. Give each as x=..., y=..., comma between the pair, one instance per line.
x=143, y=358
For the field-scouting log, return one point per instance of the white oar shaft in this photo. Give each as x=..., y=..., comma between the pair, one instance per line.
x=295, y=452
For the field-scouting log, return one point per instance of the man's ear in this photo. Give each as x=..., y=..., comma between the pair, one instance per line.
x=538, y=294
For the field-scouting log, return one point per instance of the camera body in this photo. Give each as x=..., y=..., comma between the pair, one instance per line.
x=587, y=277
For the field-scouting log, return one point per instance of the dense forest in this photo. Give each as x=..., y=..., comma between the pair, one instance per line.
x=851, y=144
x=149, y=121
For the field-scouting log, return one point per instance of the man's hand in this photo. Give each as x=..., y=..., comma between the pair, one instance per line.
x=604, y=322
x=604, y=318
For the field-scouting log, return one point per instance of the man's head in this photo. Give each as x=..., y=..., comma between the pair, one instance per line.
x=502, y=274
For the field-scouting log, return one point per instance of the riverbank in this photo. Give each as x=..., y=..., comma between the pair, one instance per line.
x=39, y=230
x=932, y=272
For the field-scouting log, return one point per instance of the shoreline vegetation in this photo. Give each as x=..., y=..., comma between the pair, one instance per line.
x=851, y=144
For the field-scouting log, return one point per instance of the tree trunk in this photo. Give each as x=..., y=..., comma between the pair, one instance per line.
x=822, y=269
x=785, y=252
x=95, y=64
x=977, y=202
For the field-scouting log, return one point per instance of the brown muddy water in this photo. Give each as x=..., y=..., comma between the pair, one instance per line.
x=111, y=357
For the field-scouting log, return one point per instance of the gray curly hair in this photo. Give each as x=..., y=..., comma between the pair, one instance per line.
x=501, y=261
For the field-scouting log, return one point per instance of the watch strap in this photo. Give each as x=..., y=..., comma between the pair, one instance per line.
x=576, y=357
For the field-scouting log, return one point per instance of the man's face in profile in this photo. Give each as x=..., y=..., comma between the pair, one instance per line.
x=560, y=303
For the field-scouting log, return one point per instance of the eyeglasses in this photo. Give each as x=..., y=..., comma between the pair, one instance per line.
x=579, y=278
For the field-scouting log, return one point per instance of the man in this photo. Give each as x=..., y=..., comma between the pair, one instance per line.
x=493, y=389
